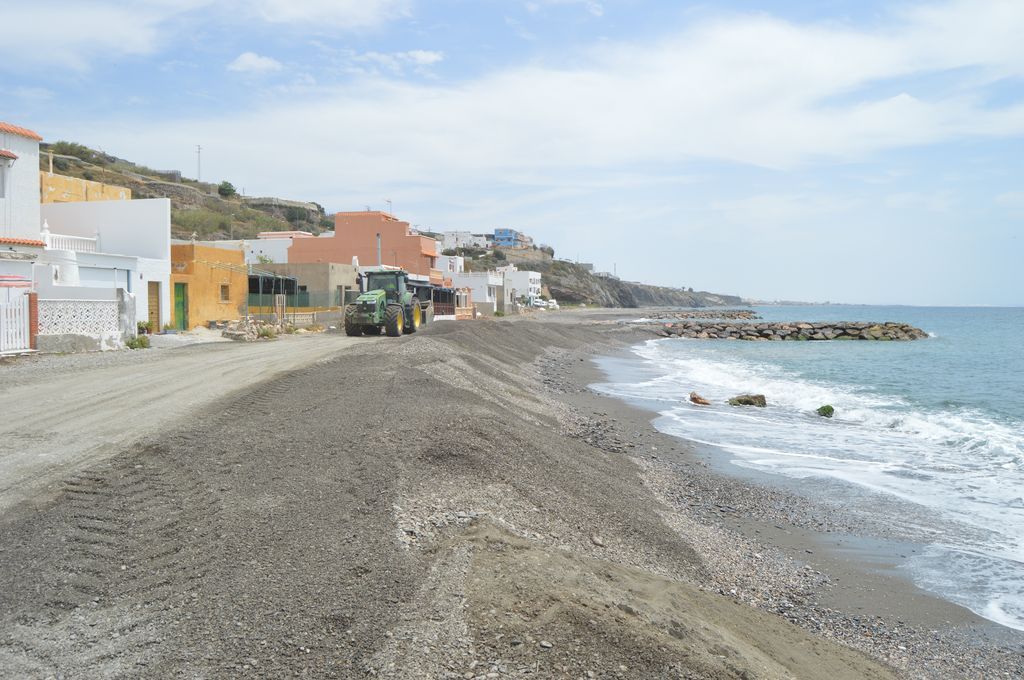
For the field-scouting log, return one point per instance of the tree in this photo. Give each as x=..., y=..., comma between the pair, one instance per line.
x=498, y=255
x=226, y=189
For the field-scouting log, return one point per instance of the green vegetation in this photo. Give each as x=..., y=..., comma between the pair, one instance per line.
x=226, y=189
x=144, y=327
x=138, y=342
x=266, y=332
x=826, y=411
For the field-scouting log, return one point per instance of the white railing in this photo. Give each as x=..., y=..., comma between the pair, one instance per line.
x=14, y=325
x=78, y=244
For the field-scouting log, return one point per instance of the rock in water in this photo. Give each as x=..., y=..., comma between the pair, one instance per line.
x=697, y=399
x=826, y=411
x=749, y=400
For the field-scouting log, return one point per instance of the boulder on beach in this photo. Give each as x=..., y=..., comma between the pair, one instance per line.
x=825, y=411
x=749, y=400
x=697, y=399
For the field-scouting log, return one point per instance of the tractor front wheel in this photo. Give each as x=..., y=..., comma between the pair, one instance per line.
x=351, y=327
x=394, y=320
x=415, y=317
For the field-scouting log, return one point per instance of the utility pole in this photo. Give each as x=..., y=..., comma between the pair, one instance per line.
x=199, y=163
x=390, y=209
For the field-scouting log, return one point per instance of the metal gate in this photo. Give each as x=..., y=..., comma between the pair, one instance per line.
x=14, y=335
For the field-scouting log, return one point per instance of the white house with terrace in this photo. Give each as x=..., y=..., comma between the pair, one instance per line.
x=75, y=276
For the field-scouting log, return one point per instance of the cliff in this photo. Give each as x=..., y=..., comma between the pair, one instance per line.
x=572, y=283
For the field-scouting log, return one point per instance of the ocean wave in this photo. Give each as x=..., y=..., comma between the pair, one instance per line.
x=957, y=462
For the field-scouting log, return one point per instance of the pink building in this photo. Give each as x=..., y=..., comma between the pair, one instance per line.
x=355, y=235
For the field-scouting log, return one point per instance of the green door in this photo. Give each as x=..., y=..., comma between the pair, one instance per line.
x=181, y=306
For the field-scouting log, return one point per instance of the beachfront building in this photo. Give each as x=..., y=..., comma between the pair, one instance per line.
x=87, y=271
x=523, y=284
x=210, y=284
x=486, y=288
x=510, y=238
x=374, y=238
x=104, y=245
x=450, y=240
x=451, y=264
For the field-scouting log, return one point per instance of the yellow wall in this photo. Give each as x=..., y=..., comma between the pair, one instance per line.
x=196, y=266
x=63, y=189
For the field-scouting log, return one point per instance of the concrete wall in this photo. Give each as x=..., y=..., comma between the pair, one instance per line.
x=63, y=189
x=197, y=266
x=19, y=207
x=141, y=228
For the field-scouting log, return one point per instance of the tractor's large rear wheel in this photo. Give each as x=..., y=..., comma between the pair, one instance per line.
x=394, y=320
x=415, y=317
x=352, y=328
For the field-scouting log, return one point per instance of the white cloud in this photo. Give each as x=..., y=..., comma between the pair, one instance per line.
x=592, y=6
x=77, y=33
x=250, y=62
x=745, y=88
x=335, y=13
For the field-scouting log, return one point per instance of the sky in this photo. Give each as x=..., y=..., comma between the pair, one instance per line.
x=851, y=151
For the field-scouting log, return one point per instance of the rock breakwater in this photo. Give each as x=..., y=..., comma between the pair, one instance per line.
x=795, y=330
x=730, y=314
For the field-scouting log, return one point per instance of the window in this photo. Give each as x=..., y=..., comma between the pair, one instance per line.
x=225, y=292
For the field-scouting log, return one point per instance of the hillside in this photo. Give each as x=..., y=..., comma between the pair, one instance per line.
x=572, y=283
x=196, y=207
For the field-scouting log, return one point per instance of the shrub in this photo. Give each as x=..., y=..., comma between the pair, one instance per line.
x=145, y=327
x=499, y=313
x=226, y=189
x=138, y=342
x=266, y=332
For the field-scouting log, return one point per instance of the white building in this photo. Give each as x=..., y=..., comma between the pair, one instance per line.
x=113, y=244
x=486, y=287
x=270, y=247
x=450, y=240
x=451, y=264
x=523, y=284
x=95, y=268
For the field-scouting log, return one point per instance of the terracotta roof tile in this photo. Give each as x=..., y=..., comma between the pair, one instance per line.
x=4, y=240
x=15, y=130
x=4, y=153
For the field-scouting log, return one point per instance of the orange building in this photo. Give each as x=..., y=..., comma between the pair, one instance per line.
x=210, y=284
x=355, y=235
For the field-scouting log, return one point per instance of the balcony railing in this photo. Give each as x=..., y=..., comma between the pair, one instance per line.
x=78, y=244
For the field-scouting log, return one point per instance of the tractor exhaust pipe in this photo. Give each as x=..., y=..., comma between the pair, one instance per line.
x=379, y=263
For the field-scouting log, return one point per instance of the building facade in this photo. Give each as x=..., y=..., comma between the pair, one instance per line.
x=523, y=284
x=450, y=240
x=269, y=247
x=510, y=238
x=486, y=288
x=209, y=284
x=356, y=236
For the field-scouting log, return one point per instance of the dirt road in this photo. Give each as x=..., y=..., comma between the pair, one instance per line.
x=62, y=414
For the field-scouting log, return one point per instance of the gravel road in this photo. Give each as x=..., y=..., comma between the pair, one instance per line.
x=62, y=413
x=414, y=508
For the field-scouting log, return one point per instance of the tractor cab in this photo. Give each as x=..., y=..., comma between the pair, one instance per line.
x=391, y=282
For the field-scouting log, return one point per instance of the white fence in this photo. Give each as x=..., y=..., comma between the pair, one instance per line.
x=78, y=317
x=14, y=325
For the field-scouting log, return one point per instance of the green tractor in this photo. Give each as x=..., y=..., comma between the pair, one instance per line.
x=387, y=304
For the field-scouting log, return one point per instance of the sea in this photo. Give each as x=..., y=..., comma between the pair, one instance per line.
x=928, y=436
